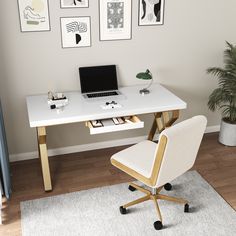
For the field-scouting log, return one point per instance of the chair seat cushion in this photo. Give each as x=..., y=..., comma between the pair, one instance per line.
x=139, y=157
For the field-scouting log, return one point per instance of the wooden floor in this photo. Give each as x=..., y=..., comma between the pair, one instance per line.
x=74, y=172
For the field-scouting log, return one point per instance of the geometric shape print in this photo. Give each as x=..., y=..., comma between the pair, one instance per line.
x=75, y=26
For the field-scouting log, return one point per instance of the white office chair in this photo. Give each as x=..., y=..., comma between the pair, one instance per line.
x=157, y=164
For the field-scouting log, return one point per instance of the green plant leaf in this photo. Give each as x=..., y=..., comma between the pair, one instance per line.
x=224, y=97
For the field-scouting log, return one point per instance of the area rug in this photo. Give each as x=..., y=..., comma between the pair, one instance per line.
x=96, y=212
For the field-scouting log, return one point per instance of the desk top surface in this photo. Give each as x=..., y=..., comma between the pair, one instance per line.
x=79, y=109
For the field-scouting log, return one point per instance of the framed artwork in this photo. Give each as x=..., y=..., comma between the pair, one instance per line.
x=34, y=15
x=75, y=32
x=115, y=19
x=151, y=12
x=74, y=3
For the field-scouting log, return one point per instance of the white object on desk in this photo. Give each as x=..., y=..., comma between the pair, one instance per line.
x=58, y=103
x=111, y=106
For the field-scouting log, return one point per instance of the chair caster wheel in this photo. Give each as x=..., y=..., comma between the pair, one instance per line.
x=168, y=187
x=158, y=225
x=186, y=207
x=131, y=188
x=123, y=210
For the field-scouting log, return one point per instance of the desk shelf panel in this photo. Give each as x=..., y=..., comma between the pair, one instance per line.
x=135, y=123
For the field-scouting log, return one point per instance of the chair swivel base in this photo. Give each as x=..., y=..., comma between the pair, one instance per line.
x=167, y=187
x=154, y=197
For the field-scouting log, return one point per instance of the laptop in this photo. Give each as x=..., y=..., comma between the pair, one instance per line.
x=99, y=82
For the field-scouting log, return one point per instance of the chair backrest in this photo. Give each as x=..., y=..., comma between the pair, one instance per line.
x=183, y=141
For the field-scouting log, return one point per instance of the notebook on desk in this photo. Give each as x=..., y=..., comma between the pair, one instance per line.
x=99, y=82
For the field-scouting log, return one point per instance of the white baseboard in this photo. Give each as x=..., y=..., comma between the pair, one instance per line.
x=212, y=129
x=91, y=146
x=23, y=156
x=79, y=148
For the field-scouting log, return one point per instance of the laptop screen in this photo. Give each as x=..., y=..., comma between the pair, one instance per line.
x=98, y=78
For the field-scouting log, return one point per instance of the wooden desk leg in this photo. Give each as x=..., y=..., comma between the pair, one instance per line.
x=43, y=153
x=155, y=125
x=162, y=121
x=168, y=121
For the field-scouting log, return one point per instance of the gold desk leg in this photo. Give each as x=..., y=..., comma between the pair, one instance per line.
x=43, y=153
x=168, y=121
x=155, y=125
x=162, y=120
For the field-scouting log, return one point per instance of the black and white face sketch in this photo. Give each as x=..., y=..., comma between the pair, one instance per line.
x=74, y=3
x=151, y=12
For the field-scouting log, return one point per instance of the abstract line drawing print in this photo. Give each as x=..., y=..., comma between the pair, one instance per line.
x=115, y=15
x=32, y=17
x=76, y=26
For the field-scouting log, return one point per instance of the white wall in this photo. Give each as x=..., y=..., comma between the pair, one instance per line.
x=178, y=53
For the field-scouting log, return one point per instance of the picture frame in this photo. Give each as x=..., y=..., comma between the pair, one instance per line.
x=151, y=12
x=75, y=31
x=34, y=15
x=115, y=20
x=74, y=3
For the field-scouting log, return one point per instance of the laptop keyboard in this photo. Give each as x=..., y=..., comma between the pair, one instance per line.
x=103, y=94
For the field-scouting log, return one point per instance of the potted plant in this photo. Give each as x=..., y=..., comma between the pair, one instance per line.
x=224, y=97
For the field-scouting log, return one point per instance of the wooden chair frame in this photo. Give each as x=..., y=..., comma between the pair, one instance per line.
x=162, y=121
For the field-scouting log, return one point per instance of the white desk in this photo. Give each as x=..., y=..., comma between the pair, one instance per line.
x=164, y=104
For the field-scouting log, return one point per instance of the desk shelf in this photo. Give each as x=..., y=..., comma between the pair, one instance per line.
x=133, y=123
